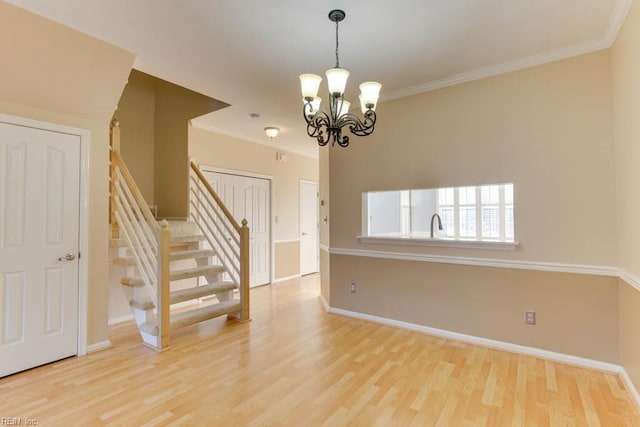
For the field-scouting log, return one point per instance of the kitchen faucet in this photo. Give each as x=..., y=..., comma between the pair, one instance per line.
x=436, y=216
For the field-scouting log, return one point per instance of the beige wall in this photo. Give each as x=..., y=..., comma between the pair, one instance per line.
x=154, y=118
x=287, y=259
x=222, y=151
x=57, y=75
x=325, y=275
x=629, y=303
x=325, y=200
x=575, y=313
x=175, y=106
x=547, y=129
x=136, y=112
x=625, y=61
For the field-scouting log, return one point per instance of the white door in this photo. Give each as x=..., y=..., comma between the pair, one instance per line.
x=309, y=239
x=39, y=221
x=249, y=198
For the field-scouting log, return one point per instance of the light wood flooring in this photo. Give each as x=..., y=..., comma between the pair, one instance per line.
x=295, y=365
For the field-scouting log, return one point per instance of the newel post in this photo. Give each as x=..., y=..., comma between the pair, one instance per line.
x=244, y=271
x=114, y=145
x=163, y=314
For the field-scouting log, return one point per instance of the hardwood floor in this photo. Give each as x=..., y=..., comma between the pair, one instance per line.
x=295, y=365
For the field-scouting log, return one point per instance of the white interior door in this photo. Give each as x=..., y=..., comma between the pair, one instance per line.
x=249, y=198
x=39, y=222
x=309, y=239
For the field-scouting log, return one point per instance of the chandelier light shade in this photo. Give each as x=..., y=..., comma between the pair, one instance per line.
x=327, y=126
x=310, y=83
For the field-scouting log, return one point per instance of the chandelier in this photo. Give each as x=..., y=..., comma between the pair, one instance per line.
x=328, y=126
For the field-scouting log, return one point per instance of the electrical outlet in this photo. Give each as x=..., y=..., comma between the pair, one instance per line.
x=530, y=317
x=353, y=287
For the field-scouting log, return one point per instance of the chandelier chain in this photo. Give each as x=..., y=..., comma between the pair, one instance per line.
x=337, y=58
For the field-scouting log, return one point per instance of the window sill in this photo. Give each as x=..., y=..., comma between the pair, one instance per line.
x=441, y=242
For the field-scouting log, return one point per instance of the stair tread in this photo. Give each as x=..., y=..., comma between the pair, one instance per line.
x=201, y=291
x=174, y=240
x=175, y=255
x=187, y=238
x=194, y=253
x=196, y=271
x=201, y=314
x=186, y=294
x=178, y=274
x=190, y=317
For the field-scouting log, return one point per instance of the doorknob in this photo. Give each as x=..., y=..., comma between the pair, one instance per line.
x=304, y=234
x=67, y=257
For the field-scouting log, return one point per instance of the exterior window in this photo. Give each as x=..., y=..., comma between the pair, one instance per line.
x=472, y=213
x=482, y=212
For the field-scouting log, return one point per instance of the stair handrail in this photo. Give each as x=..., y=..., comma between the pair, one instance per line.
x=215, y=196
x=223, y=233
x=135, y=191
x=147, y=240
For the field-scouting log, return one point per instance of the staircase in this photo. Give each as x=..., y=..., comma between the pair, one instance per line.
x=168, y=267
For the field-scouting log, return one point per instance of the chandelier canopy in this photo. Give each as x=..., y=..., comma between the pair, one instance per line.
x=328, y=126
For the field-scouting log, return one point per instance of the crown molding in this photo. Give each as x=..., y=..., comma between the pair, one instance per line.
x=494, y=70
x=620, y=11
x=618, y=17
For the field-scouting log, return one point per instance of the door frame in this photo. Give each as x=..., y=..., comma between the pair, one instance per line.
x=83, y=226
x=270, y=178
x=317, y=184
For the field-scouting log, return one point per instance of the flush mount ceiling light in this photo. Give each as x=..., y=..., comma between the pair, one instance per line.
x=271, y=131
x=328, y=126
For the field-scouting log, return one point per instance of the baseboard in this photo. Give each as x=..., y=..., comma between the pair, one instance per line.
x=324, y=302
x=120, y=319
x=631, y=388
x=287, y=241
x=102, y=345
x=283, y=279
x=486, y=342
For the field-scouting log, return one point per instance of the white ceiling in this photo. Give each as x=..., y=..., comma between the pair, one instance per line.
x=249, y=53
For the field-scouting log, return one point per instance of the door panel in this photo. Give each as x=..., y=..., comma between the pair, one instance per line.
x=13, y=308
x=54, y=210
x=54, y=300
x=39, y=220
x=15, y=191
